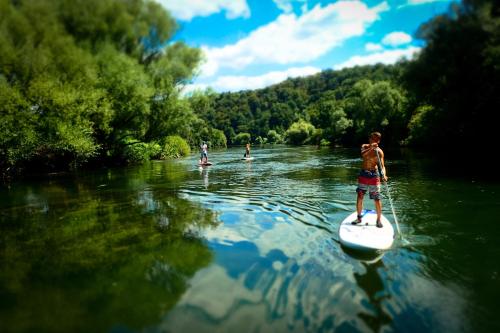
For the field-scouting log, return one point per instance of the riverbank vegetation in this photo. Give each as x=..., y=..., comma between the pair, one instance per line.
x=93, y=81
x=100, y=82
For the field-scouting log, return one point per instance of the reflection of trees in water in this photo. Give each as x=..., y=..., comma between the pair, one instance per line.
x=115, y=250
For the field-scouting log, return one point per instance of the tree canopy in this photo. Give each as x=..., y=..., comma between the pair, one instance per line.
x=86, y=79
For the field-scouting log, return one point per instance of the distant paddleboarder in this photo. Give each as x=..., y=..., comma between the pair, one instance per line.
x=204, y=153
x=247, y=151
x=369, y=176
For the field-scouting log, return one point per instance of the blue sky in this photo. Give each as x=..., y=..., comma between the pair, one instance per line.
x=250, y=44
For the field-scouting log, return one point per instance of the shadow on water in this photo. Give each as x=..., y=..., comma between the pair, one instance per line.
x=98, y=253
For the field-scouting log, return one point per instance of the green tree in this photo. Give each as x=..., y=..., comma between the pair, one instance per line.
x=301, y=132
x=129, y=91
x=329, y=115
x=175, y=146
x=19, y=138
x=90, y=78
x=420, y=125
x=273, y=137
x=457, y=75
x=377, y=106
x=217, y=138
x=242, y=139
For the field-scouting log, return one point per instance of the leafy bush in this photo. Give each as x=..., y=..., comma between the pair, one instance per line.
x=274, y=137
x=154, y=150
x=259, y=140
x=218, y=139
x=19, y=138
x=175, y=146
x=421, y=125
x=300, y=133
x=136, y=152
x=324, y=143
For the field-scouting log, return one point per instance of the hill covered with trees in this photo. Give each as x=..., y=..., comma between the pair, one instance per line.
x=331, y=106
x=448, y=94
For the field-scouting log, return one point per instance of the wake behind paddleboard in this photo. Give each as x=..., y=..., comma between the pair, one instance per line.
x=366, y=236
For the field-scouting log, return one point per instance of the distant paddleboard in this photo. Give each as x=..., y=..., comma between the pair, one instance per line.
x=247, y=158
x=205, y=164
x=366, y=236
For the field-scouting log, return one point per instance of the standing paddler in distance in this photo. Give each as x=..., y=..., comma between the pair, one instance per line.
x=369, y=177
x=247, y=150
x=204, y=153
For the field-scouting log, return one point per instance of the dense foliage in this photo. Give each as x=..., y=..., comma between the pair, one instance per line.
x=338, y=107
x=91, y=80
x=456, y=78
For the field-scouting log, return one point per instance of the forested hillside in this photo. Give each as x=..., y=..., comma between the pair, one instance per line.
x=333, y=106
x=447, y=97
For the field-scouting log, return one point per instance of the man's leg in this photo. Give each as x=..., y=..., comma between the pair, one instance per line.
x=378, y=207
x=359, y=206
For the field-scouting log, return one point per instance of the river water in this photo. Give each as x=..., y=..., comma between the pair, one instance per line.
x=248, y=247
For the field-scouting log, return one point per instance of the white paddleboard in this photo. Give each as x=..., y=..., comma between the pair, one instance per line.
x=366, y=236
x=247, y=158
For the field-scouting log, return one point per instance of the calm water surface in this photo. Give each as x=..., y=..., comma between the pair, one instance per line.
x=247, y=247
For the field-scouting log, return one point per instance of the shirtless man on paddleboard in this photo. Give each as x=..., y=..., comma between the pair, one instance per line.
x=369, y=176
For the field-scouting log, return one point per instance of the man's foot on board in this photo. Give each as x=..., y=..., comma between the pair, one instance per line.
x=379, y=224
x=358, y=221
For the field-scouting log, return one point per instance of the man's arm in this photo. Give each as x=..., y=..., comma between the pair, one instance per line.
x=365, y=148
x=382, y=163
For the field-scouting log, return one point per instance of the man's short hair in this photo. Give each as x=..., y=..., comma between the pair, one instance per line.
x=376, y=135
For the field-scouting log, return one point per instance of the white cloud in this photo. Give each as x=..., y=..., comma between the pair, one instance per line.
x=291, y=38
x=373, y=47
x=385, y=57
x=286, y=5
x=396, y=38
x=187, y=9
x=421, y=2
x=242, y=82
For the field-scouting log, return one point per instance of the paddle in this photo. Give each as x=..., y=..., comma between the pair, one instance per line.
x=379, y=163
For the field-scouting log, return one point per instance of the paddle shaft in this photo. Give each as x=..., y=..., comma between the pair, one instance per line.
x=388, y=192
